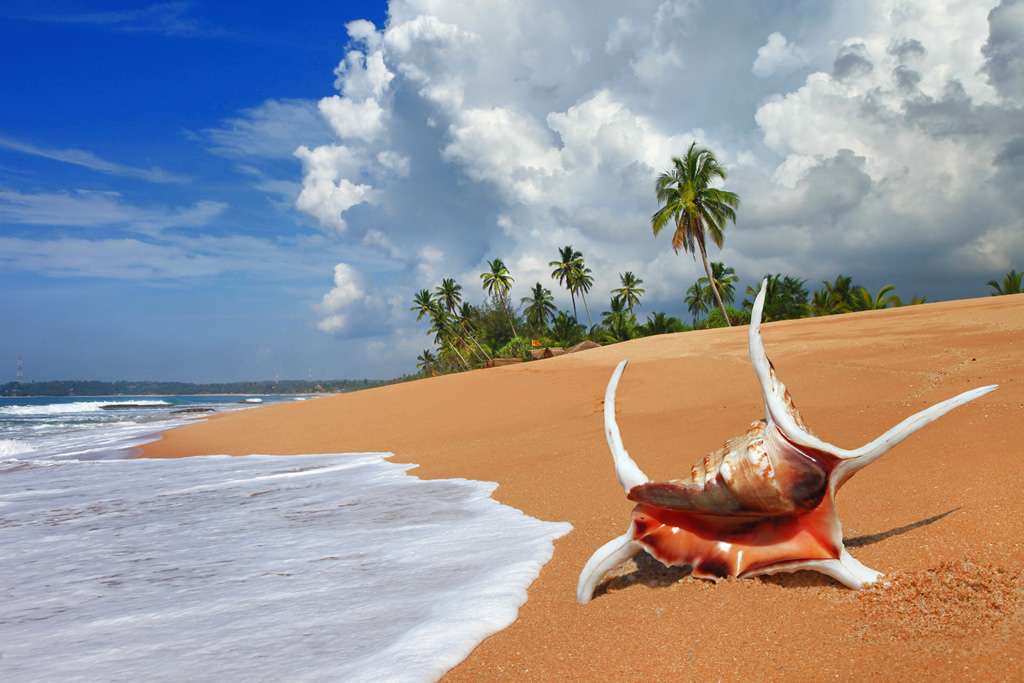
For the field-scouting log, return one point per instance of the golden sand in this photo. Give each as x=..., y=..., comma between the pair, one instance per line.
x=942, y=514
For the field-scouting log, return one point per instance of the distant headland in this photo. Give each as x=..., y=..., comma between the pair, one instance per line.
x=129, y=388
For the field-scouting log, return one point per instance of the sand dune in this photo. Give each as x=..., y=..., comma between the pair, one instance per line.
x=942, y=514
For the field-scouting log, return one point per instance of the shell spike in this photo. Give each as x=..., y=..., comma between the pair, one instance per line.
x=868, y=453
x=627, y=471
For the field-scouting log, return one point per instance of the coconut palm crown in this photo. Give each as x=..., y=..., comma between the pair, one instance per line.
x=630, y=291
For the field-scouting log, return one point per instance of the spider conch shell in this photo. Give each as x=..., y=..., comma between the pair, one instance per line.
x=763, y=503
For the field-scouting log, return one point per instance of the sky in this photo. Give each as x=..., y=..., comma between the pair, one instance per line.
x=208, y=191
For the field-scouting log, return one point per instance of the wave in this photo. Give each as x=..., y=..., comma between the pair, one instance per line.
x=13, y=447
x=349, y=568
x=76, y=407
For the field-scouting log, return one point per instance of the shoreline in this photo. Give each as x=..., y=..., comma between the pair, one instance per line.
x=536, y=430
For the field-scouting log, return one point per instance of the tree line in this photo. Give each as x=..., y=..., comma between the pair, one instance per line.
x=697, y=211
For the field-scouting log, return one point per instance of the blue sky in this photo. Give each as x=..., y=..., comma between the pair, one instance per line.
x=222, y=191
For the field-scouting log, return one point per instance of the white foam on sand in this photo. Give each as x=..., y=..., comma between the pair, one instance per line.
x=298, y=568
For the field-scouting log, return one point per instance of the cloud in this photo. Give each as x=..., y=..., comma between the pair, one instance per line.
x=89, y=160
x=166, y=18
x=85, y=208
x=487, y=136
x=1004, y=49
x=326, y=194
x=347, y=291
x=271, y=130
x=778, y=56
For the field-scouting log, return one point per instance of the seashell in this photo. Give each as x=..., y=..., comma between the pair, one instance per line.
x=764, y=503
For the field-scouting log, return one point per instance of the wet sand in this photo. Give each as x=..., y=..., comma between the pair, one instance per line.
x=942, y=515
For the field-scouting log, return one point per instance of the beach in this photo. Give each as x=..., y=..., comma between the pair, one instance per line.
x=942, y=515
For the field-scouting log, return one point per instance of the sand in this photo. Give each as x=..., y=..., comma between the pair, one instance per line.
x=942, y=514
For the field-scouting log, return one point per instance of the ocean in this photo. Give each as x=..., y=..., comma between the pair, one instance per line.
x=300, y=568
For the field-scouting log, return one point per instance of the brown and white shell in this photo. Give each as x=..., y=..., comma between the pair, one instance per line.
x=761, y=504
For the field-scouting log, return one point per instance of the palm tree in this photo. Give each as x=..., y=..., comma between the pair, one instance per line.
x=497, y=282
x=442, y=329
x=539, y=307
x=464, y=318
x=725, y=280
x=620, y=323
x=566, y=329
x=581, y=282
x=449, y=293
x=884, y=298
x=630, y=291
x=696, y=300
x=426, y=362
x=841, y=292
x=661, y=323
x=423, y=303
x=696, y=209
x=917, y=300
x=564, y=269
x=785, y=298
x=1011, y=284
x=824, y=303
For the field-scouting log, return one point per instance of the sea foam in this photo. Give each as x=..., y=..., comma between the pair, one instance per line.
x=299, y=568
x=72, y=408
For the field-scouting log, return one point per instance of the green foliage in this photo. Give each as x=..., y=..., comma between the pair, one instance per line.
x=539, y=307
x=661, y=323
x=886, y=297
x=517, y=347
x=1011, y=284
x=566, y=330
x=725, y=279
x=715, y=318
x=785, y=298
x=619, y=324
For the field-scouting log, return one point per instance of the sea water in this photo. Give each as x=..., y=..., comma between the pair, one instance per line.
x=298, y=568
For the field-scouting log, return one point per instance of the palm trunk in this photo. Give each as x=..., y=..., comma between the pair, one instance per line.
x=711, y=281
x=473, y=339
x=508, y=314
x=452, y=347
x=589, y=319
x=572, y=295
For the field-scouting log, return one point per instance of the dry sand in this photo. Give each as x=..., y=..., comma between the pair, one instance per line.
x=942, y=514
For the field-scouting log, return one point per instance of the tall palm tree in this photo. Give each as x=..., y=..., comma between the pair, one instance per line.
x=630, y=291
x=449, y=293
x=539, y=307
x=497, y=283
x=464, y=319
x=696, y=300
x=426, y=362
x=619, y=323
x=1011, y=284
x=564, y=269
x=442, y=329
x=725, y=280
x=885, y=298
x=695, y=208
x=582, y=281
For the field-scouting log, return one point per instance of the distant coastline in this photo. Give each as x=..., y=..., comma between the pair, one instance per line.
x=85, y=388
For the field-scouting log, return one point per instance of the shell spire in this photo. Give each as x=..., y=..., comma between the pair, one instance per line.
x=763, y=503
